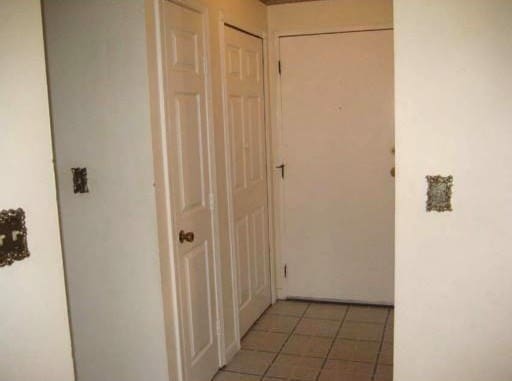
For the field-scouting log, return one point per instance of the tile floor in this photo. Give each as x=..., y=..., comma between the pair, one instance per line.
x=302, y=341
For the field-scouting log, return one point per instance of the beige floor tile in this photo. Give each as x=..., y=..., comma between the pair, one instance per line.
x=251, y=362
x=288, y=308
x=367, y=314
x=292, y=367
x=317, y=327
x=386, y=355
x=363, y=351
x=264, y=341
x=229, y=376
x=326, y=311
x=276, y=323
x=356, y=330
x=312, y=346
x=384, y=373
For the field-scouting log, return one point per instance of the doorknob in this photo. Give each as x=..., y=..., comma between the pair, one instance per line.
x=189, y=237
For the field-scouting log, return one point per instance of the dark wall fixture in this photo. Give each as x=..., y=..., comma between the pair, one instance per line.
x=80, y=180
x=13, y=237
x=439, y=194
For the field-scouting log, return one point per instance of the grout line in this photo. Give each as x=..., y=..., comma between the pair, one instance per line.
x=286, y=341
x=381, y=345
x=341, y=303
x=333, y=342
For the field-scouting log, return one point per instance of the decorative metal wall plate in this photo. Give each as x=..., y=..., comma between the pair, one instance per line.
x=439, y=194
x=13, y=237
x=80, y=180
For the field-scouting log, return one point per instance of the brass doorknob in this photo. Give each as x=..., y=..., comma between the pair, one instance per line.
x=189, y=237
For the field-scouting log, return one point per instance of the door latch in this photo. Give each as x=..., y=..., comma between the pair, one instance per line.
x=281, y=167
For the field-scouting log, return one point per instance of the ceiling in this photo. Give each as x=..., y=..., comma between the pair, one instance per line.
x=274, y=2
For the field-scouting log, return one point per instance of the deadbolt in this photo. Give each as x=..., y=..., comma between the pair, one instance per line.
x=189, y=237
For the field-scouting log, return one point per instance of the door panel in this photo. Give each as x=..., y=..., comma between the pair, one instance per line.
x=198, y=285
x=188, y=125
x=245, y=94
x=338, y=135
x=188, y=162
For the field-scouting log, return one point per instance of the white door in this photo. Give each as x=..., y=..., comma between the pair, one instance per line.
x=338, y=138
x=187, y=139
x=246, y=113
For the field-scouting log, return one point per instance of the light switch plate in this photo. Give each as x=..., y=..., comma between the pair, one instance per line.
x=13, y=237
x=439, y=194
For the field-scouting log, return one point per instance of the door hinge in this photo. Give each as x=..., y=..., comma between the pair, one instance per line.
x=285, y=271
x=219, y=328
x=212, y=201
x=279, y=67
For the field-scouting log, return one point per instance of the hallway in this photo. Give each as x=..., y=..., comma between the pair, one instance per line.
x=316, y=341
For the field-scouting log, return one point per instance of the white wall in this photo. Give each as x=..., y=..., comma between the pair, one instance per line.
x=454, y=117
x=100, y=108
x=34, y=329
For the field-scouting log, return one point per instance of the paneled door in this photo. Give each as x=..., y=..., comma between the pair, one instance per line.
x=189, y=166
x=337, y=143
x=248, y=177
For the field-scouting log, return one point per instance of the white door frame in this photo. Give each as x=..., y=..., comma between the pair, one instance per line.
x=276, y=126
x=222, y=22
x=165, y=209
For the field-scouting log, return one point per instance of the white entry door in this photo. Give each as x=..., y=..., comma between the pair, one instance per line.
x=187, y=139
x=246, y=113
x=338, y=137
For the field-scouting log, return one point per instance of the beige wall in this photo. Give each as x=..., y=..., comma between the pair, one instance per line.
x=34, y=329
x=100, y=108
x=327, y=14
x=453, y=117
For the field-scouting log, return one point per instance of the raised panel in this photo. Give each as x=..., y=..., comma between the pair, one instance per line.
x=236, y=125
x=243, y=261
x=252, y=66
x=255, y=131
x=185, y=51
x=199, y=302
x=190, y=150
x=260, y=249
x=234, y=61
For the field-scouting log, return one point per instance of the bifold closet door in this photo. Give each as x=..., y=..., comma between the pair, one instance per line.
x=246, y=113
x=188, y=161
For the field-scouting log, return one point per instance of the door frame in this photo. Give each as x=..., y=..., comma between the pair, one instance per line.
x=163, y=185
x=225, y=21
x=276, y=126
